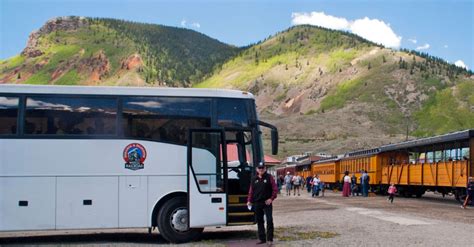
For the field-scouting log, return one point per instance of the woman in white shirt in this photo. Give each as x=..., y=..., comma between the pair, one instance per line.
x=346, y=188
x=315, y=183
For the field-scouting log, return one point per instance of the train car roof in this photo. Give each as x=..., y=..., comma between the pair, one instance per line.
x=328, y=159
x=129, y=91
x=365, y=152
x=450, y=137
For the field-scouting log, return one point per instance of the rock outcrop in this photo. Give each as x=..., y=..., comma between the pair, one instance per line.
x=132, y=62
x=32, y=48
x=97, y=66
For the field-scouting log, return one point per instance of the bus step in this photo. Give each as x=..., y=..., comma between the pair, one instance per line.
x=243, y=218
x=241, y=214
x=236, y=209
x=237, y=204
x=241, y=223
x=237, y=199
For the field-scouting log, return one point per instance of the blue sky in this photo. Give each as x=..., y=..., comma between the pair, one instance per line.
x=441, y=28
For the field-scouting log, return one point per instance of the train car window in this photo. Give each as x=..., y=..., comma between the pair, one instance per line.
x=465, y=153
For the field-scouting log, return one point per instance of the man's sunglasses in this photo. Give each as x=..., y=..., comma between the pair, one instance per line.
x=260, y=167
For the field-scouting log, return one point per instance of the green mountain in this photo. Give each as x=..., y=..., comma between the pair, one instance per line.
x=327, y=91
x=333, y=91
x=77, y=50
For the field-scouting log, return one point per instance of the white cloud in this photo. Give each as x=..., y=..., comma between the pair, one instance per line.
x=184, y=23
x=461, y=64
x=413, y=41
x=445, y=46
x=371, y=29
x=423, y=47
x=376, y=31
x=320, y=19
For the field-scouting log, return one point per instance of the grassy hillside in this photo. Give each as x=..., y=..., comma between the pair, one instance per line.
x=333, y=91
x=68, y=49
x=296, y=48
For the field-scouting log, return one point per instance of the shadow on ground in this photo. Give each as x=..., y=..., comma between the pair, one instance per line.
x=135, y=238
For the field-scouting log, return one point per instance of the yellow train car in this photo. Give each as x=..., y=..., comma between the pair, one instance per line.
x=303, y=170
x=441, y=163
x=368, y=160
x=327, y=169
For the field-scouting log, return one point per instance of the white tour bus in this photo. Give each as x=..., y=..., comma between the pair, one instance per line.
x=119, y=157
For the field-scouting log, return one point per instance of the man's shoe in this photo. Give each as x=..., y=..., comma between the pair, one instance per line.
x=270, y=243
x=261, y=242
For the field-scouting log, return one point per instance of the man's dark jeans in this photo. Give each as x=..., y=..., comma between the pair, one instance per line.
x=260, y=210
x=365, y=189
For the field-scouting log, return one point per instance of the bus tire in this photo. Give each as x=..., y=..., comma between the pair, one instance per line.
x=173, y=222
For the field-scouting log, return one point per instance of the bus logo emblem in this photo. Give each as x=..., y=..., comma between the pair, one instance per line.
x=134, y=155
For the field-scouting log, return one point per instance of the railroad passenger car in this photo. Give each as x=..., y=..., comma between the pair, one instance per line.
x=303, y=170
x=368, y=160
x=284, y=170
x=328, y=170
x=441, y=163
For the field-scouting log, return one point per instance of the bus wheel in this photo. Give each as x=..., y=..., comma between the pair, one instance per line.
x=173, y=222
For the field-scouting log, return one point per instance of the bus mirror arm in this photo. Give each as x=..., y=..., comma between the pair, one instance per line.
x=274, y=133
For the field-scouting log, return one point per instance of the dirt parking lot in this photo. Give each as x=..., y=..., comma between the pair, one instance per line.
x=304, y=221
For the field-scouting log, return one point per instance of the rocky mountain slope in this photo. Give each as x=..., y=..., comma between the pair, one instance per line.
x=327, y=91
x=331, y=91
x=94, y=51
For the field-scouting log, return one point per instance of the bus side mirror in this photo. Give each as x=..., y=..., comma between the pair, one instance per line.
x=274, y=141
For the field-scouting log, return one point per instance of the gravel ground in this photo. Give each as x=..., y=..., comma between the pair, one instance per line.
x=304, y=221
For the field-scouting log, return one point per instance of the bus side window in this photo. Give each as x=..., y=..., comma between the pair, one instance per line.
x=70, y=116
x=8, y=115
x=164, y=119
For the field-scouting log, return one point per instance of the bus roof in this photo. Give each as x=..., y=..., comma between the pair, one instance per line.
x=112, y=90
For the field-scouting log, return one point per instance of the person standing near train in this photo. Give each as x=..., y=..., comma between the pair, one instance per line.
x=321, y=187
x=346, y=188
x=391, y=192
x=309, y=184
x=364, y=181
x=288, y=183
x=316, y=181
x=279, y=183
x=297, y=181
x=354, y=184
x=469, y=192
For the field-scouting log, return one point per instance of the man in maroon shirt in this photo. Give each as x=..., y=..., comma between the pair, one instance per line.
x=263, y=191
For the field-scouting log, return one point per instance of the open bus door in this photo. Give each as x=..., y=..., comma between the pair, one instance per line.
x=207, y=176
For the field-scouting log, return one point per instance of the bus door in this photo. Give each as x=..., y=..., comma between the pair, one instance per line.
x=241, y=159
x=207, y=175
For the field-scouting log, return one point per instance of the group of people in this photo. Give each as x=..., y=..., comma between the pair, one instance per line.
x=351, y=187
x=295, y=183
